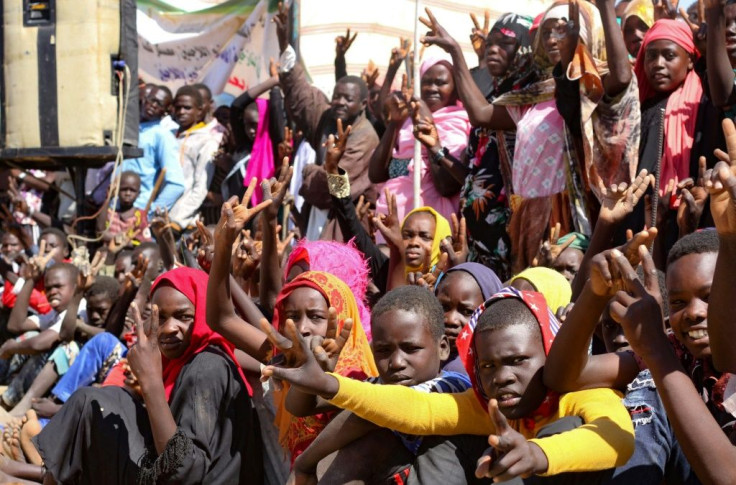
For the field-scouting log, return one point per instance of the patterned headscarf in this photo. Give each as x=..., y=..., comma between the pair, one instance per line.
x=343, y=260
x=355, y=361
x=548, y=326
x=441, y=231
x=521, y=67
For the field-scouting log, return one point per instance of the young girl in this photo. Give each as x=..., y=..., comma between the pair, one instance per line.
x=461, y=290
x=187, y=374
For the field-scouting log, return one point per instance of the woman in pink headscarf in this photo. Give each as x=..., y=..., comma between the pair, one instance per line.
x=393, y=161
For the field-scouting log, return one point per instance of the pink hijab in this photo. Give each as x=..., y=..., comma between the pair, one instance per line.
x=261, y=163
x=453, y=127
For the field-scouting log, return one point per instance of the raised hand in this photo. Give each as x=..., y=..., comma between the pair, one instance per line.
x=664, y=9
x=437, y=34
x=134, y=277
x=549, y=250
x=698, y=27
x=428, y=280
x=343, y=43
x=281, y=19
x=37, y=264
x=424, y=128
x=389, y=224
x=336, y=147
x=286, y=146
x=637, y=307
x=397, y=105
x=274, y=191
x=246, y=256
x=327, y=350
x=160, y=224
x=236, y=214
x=721, y=184
x=301, y=368
x=604, y=277
x=206, y=250
x=457, y=249
x=370, y=74
x=144, y=358
x=693, y=197
x=398, y=54
x=510, y=455
x=478, y=35
x=618, y=201
x=86, y=276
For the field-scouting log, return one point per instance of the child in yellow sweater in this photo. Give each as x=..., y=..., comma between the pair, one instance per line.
x=504, y=351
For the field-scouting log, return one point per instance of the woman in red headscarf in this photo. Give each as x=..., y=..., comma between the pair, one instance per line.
x=677, y=120
x=193, y=420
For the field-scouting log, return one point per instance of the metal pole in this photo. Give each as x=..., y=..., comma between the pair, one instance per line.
x=416, y=85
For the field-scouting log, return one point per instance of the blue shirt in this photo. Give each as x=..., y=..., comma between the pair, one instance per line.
x=160, y=150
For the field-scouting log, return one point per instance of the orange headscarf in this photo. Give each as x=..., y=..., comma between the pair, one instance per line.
x=356, y=359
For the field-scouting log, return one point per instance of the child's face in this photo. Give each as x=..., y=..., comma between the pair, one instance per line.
x=688, y=283
x=510, y=362
x=613, y=334
x=418, y=234
x=130, y=187
x=568, y=263
x=308, y=308
x=98, y=307
x=55, y=246
x=404, y=349
x=122, y=266
x=459, y=295
x=59, y=287
x=10, y=246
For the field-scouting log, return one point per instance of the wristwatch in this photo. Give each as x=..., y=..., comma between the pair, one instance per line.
x=437, y=157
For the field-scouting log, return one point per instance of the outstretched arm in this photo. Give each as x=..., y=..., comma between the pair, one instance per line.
x=480, y=112
x=221, y=315
x=720, y=71
x=619, y=74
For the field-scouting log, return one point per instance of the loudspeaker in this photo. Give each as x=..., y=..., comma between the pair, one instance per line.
x=60, y=86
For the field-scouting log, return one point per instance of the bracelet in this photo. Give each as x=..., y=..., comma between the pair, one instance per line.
x=338, y=185
x=437, y=157
x=18, y=285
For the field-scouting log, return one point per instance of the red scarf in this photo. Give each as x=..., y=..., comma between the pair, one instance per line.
x=681, y=113
x=192, y=283
x=547, y=324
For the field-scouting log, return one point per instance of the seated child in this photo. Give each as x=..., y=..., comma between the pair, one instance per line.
x=408, y=346
x=24, y=357
x=504, y=348
x=126, y=218
x=99, y=298
x=461, y=290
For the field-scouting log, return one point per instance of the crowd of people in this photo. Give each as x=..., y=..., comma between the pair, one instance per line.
x=263, y=300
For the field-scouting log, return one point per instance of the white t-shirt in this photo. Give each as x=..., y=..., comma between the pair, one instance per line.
x=54, y=319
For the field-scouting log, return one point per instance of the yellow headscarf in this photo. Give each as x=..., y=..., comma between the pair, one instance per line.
x=442, y=230
x=555, y=287
x=639, y=8
x=356, y=358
